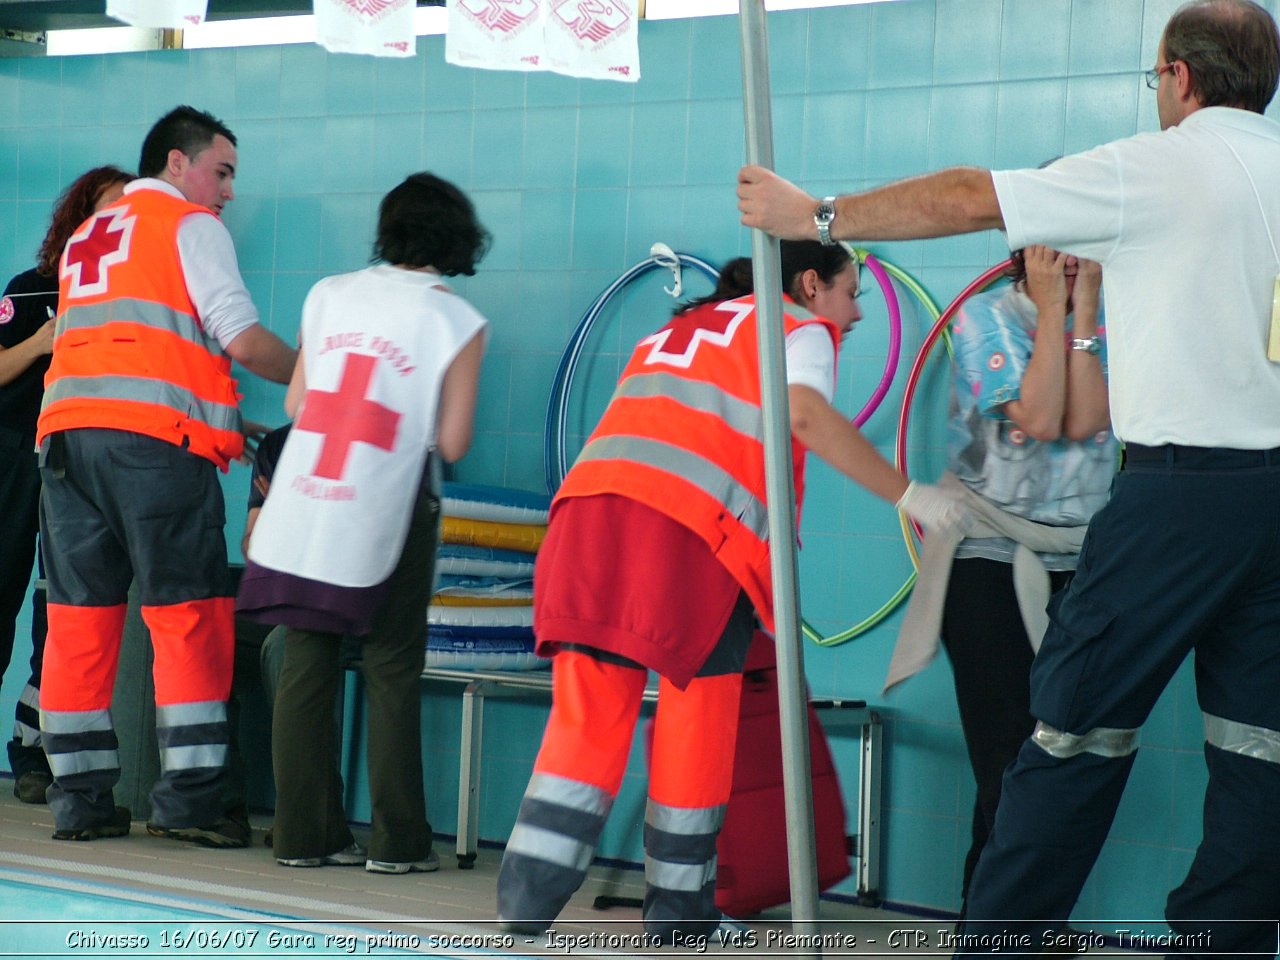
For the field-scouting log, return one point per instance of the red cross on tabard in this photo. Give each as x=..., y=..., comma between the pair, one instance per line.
x=347, y=416
x=88, y=255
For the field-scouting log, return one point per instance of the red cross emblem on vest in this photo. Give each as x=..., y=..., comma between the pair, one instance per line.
x=677, y=342
x=99, y=244
x=346, y=416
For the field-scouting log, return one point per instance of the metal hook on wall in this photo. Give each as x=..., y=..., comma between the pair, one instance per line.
x=665, y=256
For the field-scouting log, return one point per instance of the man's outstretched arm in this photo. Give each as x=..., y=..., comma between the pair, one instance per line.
x=957, y=200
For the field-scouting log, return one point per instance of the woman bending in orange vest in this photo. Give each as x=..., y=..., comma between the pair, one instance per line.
x=657, y=558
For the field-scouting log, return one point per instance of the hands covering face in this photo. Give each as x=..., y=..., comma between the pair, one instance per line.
x=1054, y=279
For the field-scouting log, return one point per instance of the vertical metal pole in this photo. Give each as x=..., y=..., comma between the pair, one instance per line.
x=780, y=489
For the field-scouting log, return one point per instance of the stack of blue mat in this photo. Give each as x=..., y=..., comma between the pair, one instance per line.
x=481, y=614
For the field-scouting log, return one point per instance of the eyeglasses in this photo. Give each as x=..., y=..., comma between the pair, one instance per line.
x=1153, y=75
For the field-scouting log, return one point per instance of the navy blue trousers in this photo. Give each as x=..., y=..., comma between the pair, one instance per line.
x=1185, y=557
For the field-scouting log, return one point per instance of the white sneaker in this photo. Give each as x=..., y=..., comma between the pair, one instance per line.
x=428, y=865
x=352, y=856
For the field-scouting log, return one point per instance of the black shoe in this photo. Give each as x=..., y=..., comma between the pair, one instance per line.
x=224, y=835
x=117, y=825
x=30, y=787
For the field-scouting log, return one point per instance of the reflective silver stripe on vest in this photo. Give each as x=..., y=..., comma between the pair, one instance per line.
x=742, y=416
x=542, y=844
x=199, y=756
x=83, y=761
x=707, y=476
x=144, y=312
x=74, y=721
x=219, y=416
x=1100, y=741
x=685, y=821
x=573, y=794
x=190, y=714
x=683, y=877
x=1242, y=738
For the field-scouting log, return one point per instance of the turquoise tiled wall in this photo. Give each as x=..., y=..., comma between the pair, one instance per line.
x=576, y=180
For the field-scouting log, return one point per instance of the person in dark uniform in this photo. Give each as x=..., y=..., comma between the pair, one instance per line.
x=26, y=342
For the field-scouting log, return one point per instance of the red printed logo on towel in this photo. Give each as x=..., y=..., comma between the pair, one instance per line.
x=368, y=8
x=95, y=248
x=997, y=361
x=6, y=310
x=501, y=16
x=592, y=20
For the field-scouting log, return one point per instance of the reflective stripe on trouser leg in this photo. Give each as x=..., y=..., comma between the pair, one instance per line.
x=1246, y=739
x=1235, y=876
x=26, y=717
x=81, y=654
x=550, y=848
x=576, y=777
x=194, y=652
x=84, y=758
x=26, y=727
x=691, y=777
x=1100, y=741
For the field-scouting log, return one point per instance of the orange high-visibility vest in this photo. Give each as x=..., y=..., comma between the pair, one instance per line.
x=684, y=434
x=129, y=352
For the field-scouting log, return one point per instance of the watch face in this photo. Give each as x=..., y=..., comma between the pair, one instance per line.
x=826, y=212
x=1088, y=345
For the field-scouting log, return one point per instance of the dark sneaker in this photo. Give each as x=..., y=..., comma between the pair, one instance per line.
x=30, y=787
x=429, y=864
x=352, y=856
x=224, y=835
x=115, y=826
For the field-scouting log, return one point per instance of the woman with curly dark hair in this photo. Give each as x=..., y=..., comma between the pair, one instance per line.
x=26, y=343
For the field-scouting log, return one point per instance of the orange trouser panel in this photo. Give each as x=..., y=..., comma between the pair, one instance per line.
x=195, y=647
x=81, y=654
x=594, y=708
x=694, y=735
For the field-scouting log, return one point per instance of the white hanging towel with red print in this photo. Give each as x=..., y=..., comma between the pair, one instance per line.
x=159, y=14
x=375, y=348
x=495, y=34
x=596, y=39
x=380, y=28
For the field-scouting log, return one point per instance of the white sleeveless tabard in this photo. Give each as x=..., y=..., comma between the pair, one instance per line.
x=376, y=345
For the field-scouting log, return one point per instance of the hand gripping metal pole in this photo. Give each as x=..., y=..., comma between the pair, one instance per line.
x=780, y=489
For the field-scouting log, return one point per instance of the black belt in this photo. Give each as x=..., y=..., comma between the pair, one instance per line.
x=1212, y=458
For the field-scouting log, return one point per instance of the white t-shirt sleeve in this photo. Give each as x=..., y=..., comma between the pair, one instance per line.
x=1075, y=205
x=811, y=359
x=213, y=278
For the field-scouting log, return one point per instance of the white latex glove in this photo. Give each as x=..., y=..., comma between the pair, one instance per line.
x=935, y=508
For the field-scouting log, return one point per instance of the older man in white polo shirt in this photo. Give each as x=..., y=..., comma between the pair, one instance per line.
x=1186, y=223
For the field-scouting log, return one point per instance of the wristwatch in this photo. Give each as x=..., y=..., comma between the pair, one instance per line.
x=1087, y=344
x=822, y=218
